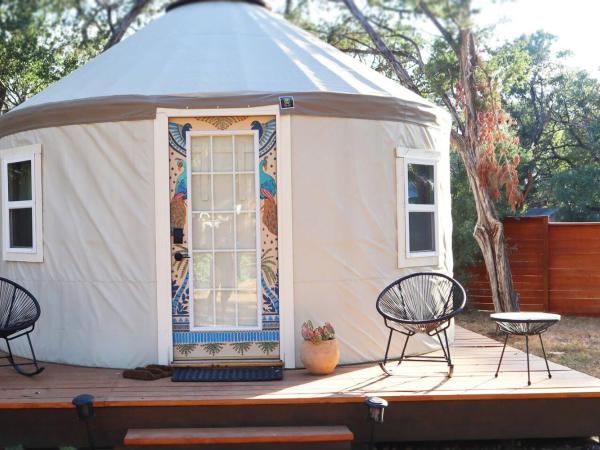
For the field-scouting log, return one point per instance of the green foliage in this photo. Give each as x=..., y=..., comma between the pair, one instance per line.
x=41, y=41
x=577, y=194
x=32, y=54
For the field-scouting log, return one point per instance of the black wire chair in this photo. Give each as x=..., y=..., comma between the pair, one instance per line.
x=19, y=310
x=421, y=303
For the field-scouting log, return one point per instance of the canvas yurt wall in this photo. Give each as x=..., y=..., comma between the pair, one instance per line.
x=97, y=283
x=346, y=225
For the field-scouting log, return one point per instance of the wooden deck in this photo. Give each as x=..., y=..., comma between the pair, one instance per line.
x=425, y=404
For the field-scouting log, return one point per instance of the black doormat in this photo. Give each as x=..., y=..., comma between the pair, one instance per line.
x=208, y=374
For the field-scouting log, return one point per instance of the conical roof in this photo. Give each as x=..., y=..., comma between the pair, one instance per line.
x=221, y=54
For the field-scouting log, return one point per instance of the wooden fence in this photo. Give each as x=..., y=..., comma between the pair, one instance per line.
x=555, y=267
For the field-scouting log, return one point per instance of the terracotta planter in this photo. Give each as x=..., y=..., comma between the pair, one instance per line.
x=321, y=358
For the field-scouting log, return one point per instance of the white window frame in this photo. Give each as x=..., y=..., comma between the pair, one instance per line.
x=31, y=153
x=211, y=134
x=404, y=157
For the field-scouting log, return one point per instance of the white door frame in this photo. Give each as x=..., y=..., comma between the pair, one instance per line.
x=162, y=226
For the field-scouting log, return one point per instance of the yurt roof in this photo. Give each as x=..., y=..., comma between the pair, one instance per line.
x=218, y=54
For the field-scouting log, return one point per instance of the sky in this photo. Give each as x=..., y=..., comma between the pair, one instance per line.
x=574, y=22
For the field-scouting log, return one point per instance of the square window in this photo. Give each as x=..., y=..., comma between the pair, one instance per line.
x=19, y=181
x=421, y=231
x=21, y=228
x=421, y=184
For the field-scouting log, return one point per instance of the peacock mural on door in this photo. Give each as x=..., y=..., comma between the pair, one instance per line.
x=234, y=344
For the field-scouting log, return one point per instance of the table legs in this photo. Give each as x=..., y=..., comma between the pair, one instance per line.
x=502, y=355
x=527, y=351
x=527, y=348
x=545, y=358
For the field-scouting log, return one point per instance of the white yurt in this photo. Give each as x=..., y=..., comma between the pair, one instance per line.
x=200, y=190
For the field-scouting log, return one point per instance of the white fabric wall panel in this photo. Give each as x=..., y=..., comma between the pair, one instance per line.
x=345, y=226
x=97, y=284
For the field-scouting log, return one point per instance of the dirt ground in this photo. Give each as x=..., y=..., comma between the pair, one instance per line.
x=573, y=342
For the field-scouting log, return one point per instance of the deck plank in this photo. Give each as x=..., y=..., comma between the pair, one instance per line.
x=475, y=358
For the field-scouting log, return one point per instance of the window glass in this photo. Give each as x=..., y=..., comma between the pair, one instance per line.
x=21, y=228
x=224, y=232
x=420, y=184
x=19, y=181
x=421, y=231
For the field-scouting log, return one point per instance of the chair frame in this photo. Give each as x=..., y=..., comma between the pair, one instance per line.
x=444, y=323
x=9, y=334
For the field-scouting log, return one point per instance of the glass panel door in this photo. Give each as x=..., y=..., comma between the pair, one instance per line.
x=224, y=243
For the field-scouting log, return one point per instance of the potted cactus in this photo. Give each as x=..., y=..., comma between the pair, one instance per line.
x=320, y=352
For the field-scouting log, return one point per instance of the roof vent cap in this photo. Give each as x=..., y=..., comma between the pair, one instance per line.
x=179, y=3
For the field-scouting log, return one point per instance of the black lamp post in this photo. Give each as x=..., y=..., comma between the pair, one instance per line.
x=376, y=408
x=85, y=410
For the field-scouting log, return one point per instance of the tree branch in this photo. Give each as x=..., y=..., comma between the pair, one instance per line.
x=121, y=28
x=445, y=33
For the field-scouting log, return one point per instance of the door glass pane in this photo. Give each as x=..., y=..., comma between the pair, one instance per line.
x=420, y=184
x=21, y=228
x=202, y=231
x=421, y=231
x=201, y=154
x=244, y=153
x=246, y=231
x=247, y=308
x=201, y=193
x=225, y=270
x=246, y=270
x=223, y=192
x=245, y=192
x=204, y=313
x=223, y=226
x=225, y=308
x=222, y=154
x=19, y=181
x=203, y=269
x=224, y=232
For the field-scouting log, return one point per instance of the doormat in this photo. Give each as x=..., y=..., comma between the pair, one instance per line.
x=208, y=374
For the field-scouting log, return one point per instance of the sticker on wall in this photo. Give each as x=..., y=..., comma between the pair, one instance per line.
x=286, y=102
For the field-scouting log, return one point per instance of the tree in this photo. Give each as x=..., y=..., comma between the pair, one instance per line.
x=481, y=132
x=31, y=57
x=557, y=115
x=41, y=41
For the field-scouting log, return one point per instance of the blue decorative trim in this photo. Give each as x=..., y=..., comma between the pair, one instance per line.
x=225, y=336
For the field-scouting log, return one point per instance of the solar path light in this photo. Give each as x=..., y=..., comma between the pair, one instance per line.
x=85, y=411
x=376, y=407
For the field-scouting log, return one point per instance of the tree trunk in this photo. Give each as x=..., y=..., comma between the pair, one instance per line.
x=122, y=27
x=489, y=231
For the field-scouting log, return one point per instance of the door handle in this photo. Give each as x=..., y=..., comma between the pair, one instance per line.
x=180, y=256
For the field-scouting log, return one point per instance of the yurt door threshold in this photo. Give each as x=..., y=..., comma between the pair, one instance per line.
x=224, y=246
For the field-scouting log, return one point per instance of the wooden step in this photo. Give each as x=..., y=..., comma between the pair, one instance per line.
x=259, y=437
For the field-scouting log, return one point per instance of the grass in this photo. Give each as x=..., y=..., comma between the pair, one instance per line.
x=573, y=342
